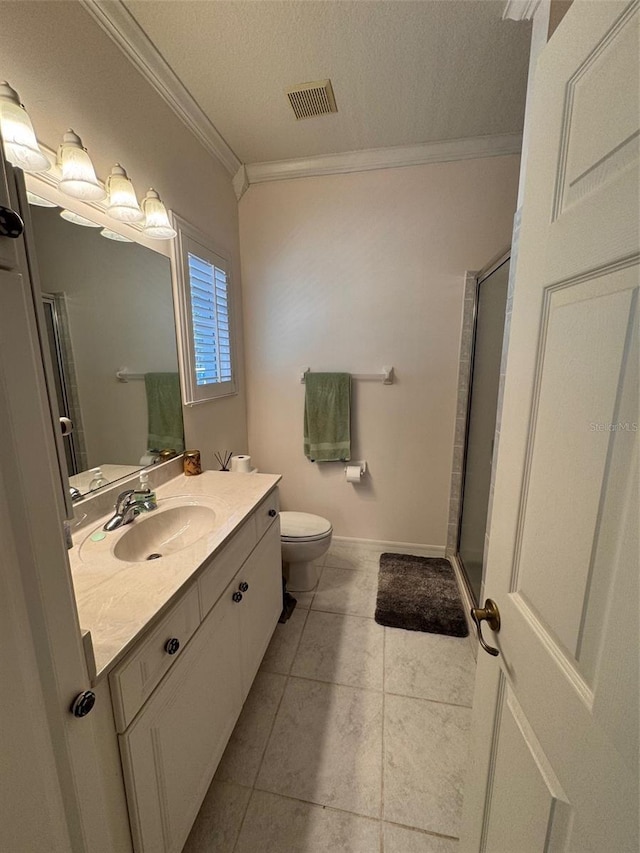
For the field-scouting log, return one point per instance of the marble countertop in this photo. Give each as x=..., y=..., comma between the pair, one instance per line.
x=118, y=601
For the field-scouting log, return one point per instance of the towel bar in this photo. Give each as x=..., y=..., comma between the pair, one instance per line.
x=386, y=377
x=123, y=375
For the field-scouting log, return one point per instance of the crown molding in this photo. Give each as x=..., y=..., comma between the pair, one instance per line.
x=120, y=25
x=240, y=182
x=520, y=10
x=386, y=158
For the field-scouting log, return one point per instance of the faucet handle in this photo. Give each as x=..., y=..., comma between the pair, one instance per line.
x=123, y=498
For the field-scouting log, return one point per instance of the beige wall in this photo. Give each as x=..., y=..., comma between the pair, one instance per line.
x=352, y=272
x=70, y=74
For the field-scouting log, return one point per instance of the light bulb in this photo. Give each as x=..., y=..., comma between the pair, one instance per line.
x=156, y=225
x=20, y=143
x=123, y=204
x=78, y=176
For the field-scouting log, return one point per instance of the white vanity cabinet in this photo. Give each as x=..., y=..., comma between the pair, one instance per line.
x=172, y=747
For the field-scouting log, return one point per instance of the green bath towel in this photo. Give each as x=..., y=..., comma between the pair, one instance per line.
x=327, y=411
x=164, y=407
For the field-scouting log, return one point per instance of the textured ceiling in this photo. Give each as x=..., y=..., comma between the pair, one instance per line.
x=403, y=72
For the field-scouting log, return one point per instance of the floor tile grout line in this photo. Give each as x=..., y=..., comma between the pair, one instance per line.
x=287, y=676
x=266, y=745
x=432, y=701
x=244, y=816
x=382, y=691
x=337, y=684
x=337, y=613
x=417, y=829
x=317, y=805
x=430, y=832
x=273, y=722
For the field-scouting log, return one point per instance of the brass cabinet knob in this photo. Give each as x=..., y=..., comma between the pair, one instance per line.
x=491, y=615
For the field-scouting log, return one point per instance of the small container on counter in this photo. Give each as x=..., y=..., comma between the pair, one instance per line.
x=192, y=464
x=166, y=454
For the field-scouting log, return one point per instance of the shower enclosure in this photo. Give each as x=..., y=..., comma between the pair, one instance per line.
x=484, y=379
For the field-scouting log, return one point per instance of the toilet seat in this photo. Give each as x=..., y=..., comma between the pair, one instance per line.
x=303, y=527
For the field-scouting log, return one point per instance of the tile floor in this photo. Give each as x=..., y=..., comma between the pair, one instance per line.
x=354, y=737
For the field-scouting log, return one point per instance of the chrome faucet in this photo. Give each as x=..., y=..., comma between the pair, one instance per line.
x=126, y=509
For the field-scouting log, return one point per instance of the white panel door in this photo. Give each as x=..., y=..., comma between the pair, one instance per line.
x=556, y=719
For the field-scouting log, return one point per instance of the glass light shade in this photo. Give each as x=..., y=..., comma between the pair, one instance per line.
x=156, y=225
x=113, y=235
x=20, y=143
x=70, y=216
x=123, y=204
x=38, y=201
x=78, y=178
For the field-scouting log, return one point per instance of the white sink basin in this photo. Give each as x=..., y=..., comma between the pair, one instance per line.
x=164, y=532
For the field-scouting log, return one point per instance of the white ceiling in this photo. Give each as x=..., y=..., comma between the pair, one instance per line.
x=404, y=71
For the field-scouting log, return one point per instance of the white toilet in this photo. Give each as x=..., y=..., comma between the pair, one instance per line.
x=304, y=538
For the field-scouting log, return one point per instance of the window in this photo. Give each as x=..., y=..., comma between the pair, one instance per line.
x=206, y=339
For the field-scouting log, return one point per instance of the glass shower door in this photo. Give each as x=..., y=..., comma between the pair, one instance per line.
x=485, y=377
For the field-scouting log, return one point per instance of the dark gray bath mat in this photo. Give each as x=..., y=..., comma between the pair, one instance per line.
x=419, y=594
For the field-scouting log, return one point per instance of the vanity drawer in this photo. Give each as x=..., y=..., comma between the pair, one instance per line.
x=266, y=513
x=215, y=578
x=133, y=681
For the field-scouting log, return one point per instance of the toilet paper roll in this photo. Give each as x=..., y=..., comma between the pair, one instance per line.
x=354, y=473
x=241, y=464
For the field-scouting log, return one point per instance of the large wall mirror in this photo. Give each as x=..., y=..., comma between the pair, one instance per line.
x=108, y=306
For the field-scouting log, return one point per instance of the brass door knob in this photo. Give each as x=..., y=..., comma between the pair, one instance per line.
x=491, y=615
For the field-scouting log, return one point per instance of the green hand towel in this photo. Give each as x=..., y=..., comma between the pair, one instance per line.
x=327, y=411
x=164, y=408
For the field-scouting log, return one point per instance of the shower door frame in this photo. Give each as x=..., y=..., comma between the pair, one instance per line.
x=465, y=381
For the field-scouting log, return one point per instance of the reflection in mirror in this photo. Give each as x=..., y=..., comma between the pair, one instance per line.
x=108, y=305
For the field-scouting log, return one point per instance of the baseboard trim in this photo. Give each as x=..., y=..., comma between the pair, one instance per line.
x=387, y=545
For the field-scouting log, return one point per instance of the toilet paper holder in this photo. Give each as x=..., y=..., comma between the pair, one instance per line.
x=362, y=465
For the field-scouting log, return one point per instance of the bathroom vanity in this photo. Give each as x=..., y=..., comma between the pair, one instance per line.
x=177, y=640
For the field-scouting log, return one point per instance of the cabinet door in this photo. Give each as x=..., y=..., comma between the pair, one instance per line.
x=171, y=751
x=261, y=604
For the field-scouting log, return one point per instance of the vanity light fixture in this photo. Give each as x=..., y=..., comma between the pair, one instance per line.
x=78, y=176
x=113, y=235
x=156, y=225
x=70, y=216
x=123, y=204
x=20, y=143
x=38, y=201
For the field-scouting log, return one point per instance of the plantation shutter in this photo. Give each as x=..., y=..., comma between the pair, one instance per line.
x=210, y=321
x=206, y=339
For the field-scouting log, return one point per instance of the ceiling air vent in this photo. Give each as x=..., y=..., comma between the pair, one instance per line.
x=312, y=99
